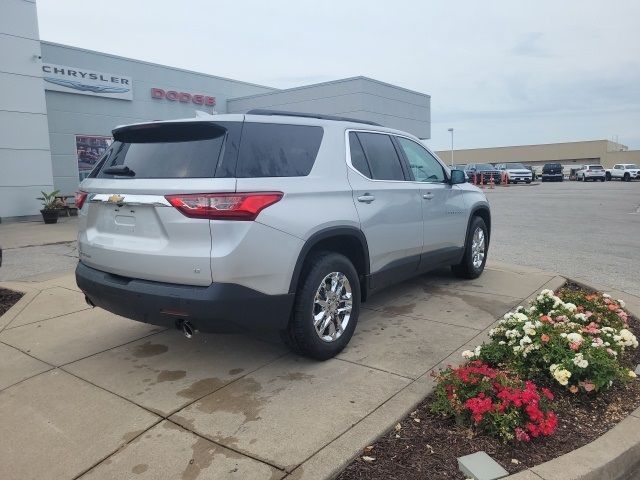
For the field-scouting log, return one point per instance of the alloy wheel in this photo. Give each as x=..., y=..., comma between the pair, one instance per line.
x=477, y=248
x=332, y=306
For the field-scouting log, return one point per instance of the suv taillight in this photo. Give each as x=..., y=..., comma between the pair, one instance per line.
x=80, y=198
x=223, y=206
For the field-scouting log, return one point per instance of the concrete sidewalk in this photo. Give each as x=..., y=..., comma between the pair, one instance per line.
x=84, y=393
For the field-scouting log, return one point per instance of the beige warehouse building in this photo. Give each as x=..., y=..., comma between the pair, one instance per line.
x=604, y=152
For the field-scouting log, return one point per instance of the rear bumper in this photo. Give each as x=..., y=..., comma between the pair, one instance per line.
x=219, y=307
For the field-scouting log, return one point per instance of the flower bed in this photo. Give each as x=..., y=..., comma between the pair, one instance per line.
x=8, y=299
x=553, y=377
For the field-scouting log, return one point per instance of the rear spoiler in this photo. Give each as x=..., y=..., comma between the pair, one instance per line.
x=168, y=132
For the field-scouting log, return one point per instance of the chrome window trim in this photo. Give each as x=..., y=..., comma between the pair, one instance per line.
x=447, y=172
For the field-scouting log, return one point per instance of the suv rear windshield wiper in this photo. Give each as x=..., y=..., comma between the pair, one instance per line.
x=120, y=170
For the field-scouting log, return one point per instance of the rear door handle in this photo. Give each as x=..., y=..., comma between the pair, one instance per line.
x=427, y=196
x=366, y=198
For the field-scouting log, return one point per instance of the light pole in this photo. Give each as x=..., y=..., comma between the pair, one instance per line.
x=451, y=130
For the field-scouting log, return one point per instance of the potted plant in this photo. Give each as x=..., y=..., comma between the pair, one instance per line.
x=51, y=206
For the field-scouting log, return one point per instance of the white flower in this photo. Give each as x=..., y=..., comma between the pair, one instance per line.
x=626, y=339
x=606, y=295
x=526, y=339
x=571, y=307
x=562, y=376
x=580, y=361
x=468, y=354
x=621, y=303
x=574, y=337
x=580, y=316
x=632, y=374
x=477, y=350
x=546, y=292
x=528, y=328
x=501, y=342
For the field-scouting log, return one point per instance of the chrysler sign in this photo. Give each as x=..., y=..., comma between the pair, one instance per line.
x=86, y=82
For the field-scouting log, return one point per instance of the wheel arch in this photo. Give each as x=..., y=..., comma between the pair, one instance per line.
x=483, y=212
x=348, y=241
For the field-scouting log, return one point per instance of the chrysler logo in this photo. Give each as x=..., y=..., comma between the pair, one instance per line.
x=84, y=87
x=117, y=199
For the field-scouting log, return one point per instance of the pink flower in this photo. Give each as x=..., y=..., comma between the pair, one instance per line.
x=588, y=386
x=575, y=346
x=521, y=435
x=588, y=313
x=562, y=318
x=544, y=338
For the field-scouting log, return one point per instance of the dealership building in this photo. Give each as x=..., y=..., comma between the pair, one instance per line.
x=59, y=104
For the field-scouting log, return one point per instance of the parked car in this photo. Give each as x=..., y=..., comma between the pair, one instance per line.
x=552, y=172
x=515, y=172
x=591, y=172
x=289, y=226
x=623, y=171
x=573, y=172
x=533, y=172
x=463, y=168
x=483, y=172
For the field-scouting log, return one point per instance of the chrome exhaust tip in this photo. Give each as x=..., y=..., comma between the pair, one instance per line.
x=187, y=329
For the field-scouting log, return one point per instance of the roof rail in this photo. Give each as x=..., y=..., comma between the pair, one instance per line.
x=262, y=111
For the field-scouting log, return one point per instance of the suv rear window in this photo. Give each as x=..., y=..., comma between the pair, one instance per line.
x=168, y=150
x=278, y=150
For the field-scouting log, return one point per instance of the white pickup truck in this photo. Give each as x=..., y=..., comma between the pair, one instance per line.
x=623, y=171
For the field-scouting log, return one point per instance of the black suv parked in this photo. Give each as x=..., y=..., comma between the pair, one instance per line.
x=552, y=172
x=477, y=172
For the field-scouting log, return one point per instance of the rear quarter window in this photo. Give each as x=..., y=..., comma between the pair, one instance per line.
x=278, y=150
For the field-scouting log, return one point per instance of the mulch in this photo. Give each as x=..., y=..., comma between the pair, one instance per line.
x=426, y=445
x=7, y=299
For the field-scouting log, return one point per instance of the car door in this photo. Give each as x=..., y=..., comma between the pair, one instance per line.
x=443, y=207
x=389, y=206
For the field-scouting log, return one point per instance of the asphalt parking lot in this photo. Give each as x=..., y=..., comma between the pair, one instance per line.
x=587, y=230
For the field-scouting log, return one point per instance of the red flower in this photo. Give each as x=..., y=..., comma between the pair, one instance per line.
x=547, y=393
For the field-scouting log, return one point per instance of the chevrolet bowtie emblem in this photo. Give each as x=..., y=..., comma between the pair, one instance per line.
x=115, y=199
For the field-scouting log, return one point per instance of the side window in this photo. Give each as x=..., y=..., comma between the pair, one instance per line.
x=383, y=158
x=358, y=160
x=278, y=150
x=424, y=166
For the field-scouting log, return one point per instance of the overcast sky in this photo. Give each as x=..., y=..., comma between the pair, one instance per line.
x=499, y=72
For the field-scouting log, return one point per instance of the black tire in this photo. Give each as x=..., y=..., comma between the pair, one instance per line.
x=603, y=179
x=528, y=181
x=627, y=177
x=300, y=335
x=466, y=269
x=607, y=177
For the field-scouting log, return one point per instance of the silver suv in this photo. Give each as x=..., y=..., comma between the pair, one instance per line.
x=269, y=220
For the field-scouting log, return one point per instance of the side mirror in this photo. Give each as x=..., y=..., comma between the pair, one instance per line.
x=457, y=177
